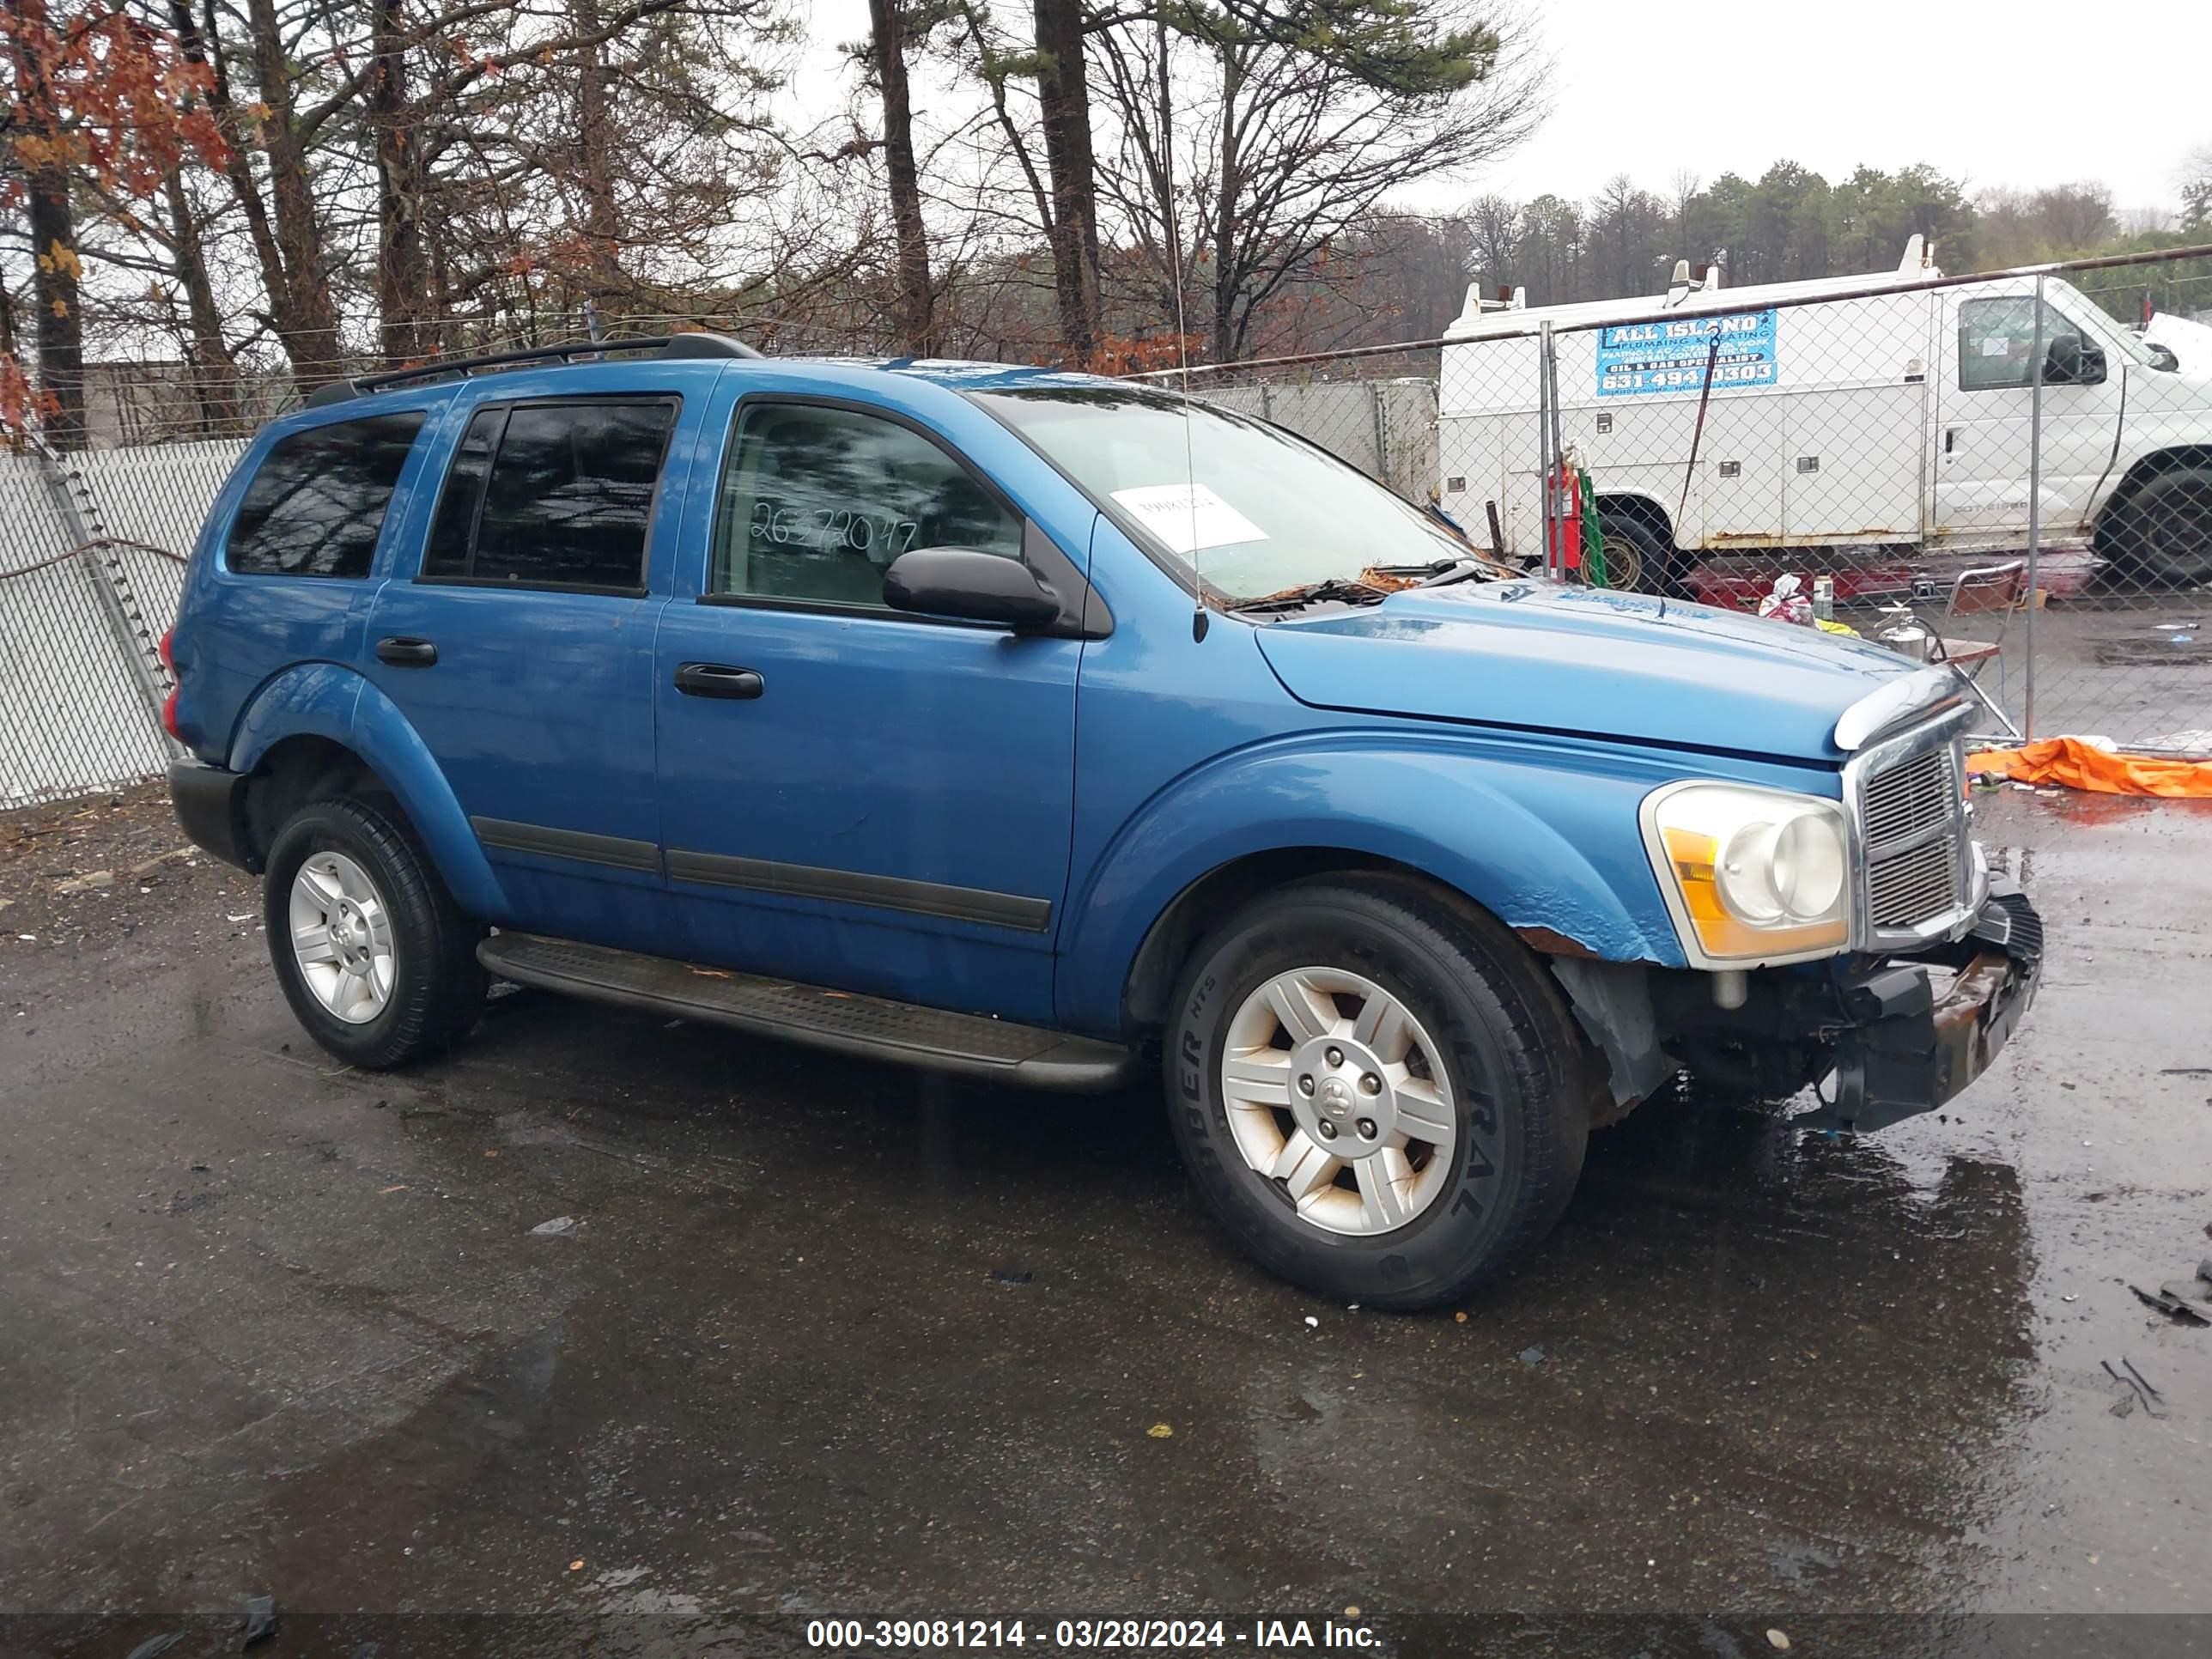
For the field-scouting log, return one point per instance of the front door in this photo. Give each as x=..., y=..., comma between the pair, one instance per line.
x=1985, y=424
x=522, y=655
x=851, y=796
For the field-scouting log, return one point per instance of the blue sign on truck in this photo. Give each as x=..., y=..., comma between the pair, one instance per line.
x=1672, y=355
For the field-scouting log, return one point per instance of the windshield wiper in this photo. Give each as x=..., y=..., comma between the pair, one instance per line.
x=1462, y=570
x=1297, y=599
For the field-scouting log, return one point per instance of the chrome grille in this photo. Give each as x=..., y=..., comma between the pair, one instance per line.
x=1908, y=797
x=1912, y=820
x=1906, y=889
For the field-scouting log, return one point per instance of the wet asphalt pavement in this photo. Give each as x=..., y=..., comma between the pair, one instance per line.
x=836, y=1340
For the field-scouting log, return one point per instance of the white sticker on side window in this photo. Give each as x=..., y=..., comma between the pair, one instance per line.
x=1187, y=517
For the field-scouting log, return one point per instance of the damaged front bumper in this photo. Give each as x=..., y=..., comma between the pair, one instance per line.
x=1905, y=1048
x=1879, y=1038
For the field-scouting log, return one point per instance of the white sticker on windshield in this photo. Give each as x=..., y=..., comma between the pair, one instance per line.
x=1187, y=517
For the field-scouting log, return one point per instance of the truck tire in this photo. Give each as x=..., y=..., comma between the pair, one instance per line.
x=2165, y=530
x=1380, y=1094
x=1644, y=562
x=376, y=959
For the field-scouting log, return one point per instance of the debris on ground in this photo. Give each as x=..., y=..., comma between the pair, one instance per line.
x=1011, y=1275
x=260, y=1622
x=1312, y=1323
x=1778, y=1641
x=2078, y=763
x=1532, y=1355
x=2138, y=1390
x=154, y=1644
x=2178, y=1307
x=559, y=1227
x=65, y=865
x=1161, y=1430
x=2189, y=1299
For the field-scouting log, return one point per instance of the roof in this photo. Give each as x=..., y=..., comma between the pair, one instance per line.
x=1474, y=323
x=954, y=374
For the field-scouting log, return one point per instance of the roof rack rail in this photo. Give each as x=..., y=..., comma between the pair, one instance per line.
x=695, y=344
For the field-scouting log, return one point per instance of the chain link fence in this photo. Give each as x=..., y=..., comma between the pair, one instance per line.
x=92, y=563
x=2011, y=471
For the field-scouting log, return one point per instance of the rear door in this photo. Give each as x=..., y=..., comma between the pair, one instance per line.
x=521, y=651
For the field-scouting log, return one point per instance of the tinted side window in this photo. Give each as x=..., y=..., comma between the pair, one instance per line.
x=816, y=503
x=446, y=553
x=570, y=494
x=317, y=505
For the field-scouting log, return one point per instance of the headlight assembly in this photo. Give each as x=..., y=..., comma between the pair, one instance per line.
x=1751, y=875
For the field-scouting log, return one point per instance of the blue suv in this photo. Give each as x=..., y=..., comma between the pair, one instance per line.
x=1041, y=727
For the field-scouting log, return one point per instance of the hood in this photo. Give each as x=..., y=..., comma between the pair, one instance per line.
x=2190, y=341
x=1584, y=660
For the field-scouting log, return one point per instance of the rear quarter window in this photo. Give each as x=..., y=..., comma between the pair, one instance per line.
x=316, y=505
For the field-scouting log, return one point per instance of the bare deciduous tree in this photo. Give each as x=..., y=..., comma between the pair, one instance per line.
x=1251, y=136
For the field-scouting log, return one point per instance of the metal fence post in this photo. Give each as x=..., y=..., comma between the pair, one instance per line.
x=1380, y=421
x=2034, y=508
x=1559, y=492
x=117, y=607
x=1543, y=466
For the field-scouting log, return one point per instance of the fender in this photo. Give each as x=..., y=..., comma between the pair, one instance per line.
x=327, y=700
x=1663, y=511
x=1540, y=834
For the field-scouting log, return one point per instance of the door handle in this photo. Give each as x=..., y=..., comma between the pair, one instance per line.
x=714, y=679
x=1950, y=439
x=401, y=652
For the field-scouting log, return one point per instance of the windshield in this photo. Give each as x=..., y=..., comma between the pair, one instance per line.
x=1262, y=511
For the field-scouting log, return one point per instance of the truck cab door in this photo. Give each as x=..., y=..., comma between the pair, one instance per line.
x=1984, y=424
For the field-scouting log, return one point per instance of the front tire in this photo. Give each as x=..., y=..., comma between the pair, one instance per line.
x=2167, y=534
x=376, y=959
x=1380, y=1094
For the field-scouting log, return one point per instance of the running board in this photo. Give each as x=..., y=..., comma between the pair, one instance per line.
x=902, y=1033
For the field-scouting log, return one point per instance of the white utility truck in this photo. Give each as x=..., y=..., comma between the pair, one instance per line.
x=1886, y=414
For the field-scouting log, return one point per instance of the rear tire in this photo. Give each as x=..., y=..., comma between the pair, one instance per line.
x=376, y=959
x=1459, y=1103
x=2166, y=530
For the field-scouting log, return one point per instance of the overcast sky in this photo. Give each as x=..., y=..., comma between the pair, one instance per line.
x=2027, y=93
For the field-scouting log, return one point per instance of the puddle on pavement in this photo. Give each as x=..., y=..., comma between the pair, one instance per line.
x=1756, y=1344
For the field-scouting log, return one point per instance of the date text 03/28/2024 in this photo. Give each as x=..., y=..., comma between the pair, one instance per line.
x=917, y=1634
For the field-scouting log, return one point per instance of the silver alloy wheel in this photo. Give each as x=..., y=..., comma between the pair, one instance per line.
x=341, y=937
x=1336, y=1094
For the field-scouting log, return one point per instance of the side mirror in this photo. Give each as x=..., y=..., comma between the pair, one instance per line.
x=974, y=585
x=2072, y=361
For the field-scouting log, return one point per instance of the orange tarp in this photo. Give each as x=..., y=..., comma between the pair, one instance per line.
x=2079, y=765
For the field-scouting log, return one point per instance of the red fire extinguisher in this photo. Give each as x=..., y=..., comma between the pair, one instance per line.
x=1566, y=549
